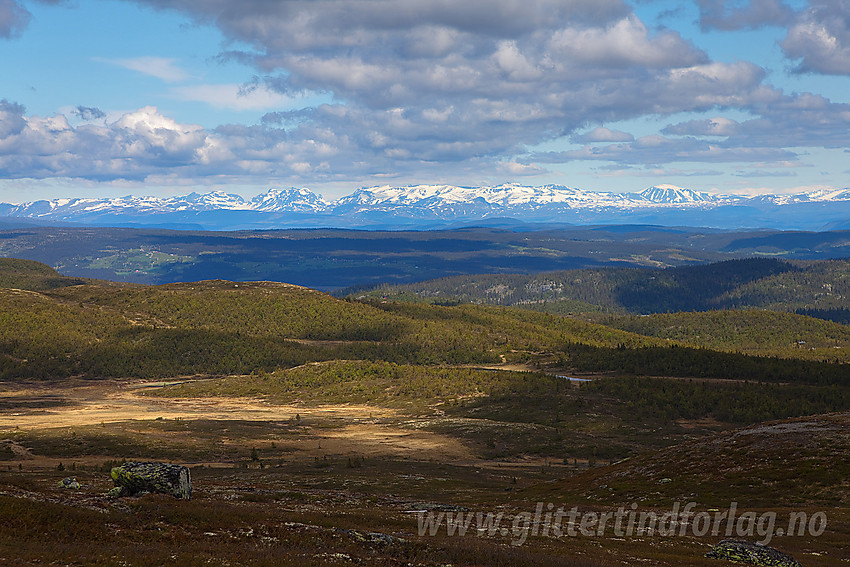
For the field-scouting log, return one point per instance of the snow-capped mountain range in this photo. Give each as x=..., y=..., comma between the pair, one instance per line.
x=431, y=205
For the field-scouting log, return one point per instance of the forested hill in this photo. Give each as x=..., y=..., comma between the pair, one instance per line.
x=99, y=329
x=814, y=288
x=52, y=327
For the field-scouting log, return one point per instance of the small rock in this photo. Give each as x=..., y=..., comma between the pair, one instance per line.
x=748, y=552
x=70, y=483
x=373, y=538
x=116, y=492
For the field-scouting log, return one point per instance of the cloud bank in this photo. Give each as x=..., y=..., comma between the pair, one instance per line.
x=441, y=88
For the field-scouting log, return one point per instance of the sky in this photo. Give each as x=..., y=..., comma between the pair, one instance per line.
x=102, y=98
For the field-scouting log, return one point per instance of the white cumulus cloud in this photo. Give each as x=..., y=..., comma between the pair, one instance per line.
x=440, y=88
x=820, y=38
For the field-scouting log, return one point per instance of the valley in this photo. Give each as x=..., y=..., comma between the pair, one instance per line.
x=342, y=261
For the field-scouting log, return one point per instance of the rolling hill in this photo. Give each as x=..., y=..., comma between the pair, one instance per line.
x=752, y=331
x=219, y=327
x=734, y=284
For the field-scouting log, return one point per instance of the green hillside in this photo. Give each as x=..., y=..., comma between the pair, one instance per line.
x=819, y=285
x=34, y=276
x=751, y=331
x=756, y=282
x=219, y=327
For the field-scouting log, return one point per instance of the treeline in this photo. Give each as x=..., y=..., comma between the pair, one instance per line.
x=818, y=285
x=695, y=288
x=523, y=397
x=837, y=315
x=739, y=403
x=703, y=363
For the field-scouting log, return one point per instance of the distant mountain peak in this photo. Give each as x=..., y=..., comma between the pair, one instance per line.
x=214, y=200
x=290, y=199
x=671, y=194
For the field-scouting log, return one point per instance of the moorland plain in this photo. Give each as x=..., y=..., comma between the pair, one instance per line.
x=316, y=427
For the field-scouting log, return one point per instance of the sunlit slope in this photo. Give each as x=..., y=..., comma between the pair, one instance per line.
x=253, y=308
x=501, y=413
x=751, y=331
x=34, y=276
x=218, y=327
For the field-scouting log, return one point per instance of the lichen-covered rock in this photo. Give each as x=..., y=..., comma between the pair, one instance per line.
x=69, y=483
x=136, y=478
x=116, y=491
x=752, y=553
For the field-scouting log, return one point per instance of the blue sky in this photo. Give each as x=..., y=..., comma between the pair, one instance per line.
x=161, y=97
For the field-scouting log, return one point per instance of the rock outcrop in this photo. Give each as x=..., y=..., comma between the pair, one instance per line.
x=752, y=553
x=137, y=478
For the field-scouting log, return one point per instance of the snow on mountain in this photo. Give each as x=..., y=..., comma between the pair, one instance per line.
x=509, y=196
x=670, y=194
x=53, y=208
x=213, y=201
x=505, y=196
x=389, y=196
x=390, y=206
x=816, y=196
x=292, y=199
x=68, y=208
x=512, y=195
x=419, y=201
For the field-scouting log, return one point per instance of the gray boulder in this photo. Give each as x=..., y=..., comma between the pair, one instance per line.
x=137, y=478
x=752, y=553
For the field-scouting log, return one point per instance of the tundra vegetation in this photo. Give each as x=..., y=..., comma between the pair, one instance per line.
x=313, y=425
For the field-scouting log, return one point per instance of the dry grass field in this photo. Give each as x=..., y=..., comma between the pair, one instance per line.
x=344, y=484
